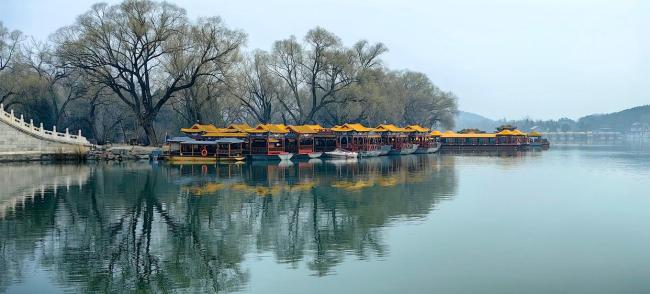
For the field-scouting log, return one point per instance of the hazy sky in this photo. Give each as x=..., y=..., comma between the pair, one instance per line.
x=504, y=59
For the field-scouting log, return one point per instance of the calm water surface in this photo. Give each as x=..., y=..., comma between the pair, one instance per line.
x=568, y=220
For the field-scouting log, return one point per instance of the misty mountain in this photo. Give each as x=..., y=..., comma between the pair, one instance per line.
x=468, y=120
x=620, y=121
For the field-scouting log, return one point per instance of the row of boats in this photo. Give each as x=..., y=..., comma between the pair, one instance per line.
x=208, y=143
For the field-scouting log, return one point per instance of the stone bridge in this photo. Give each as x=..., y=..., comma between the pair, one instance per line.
x=21, y=140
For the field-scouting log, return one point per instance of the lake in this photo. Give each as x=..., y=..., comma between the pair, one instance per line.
x=567, y=220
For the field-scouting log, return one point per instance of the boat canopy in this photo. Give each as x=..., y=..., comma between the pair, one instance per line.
x=178, y=139
x=229, y=141
x=198, y=142
x=534, y=134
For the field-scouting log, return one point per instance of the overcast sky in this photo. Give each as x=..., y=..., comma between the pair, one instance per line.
x=504, y=59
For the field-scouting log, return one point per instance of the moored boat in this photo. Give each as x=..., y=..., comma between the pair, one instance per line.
x=384, y=150
x=433, y=148
x=300, y=141
x=341, y=154
x=504, y=140
x=188, y=150
x=314, y=155
x=425, y=141
x=398, y=138
x=404, y=149
x=373, y=153
x=536, y=141
x=272, y=157
x=357, y=138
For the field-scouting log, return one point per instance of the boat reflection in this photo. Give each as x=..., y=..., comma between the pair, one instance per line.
x=189, y=228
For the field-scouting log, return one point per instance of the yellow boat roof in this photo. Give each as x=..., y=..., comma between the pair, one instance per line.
x=239, y=127
x=317, y=128
x=351, y=128
x=304, y=129
x=199, y=128
x=534, y=134
x=505, y=133
x=417, y=128
x=435, y=133
x=269, y=128
x=391, y=128
x=518, y=133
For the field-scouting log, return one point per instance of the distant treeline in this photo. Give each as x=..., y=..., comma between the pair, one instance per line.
x=139, y=69
x=622, y=121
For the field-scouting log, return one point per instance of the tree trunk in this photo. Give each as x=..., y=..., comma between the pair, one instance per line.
x=150, y=131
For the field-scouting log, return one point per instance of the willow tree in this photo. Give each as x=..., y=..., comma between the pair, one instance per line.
x=424, y=102
x=146, y=52
x=257, y=88
x=317, y=71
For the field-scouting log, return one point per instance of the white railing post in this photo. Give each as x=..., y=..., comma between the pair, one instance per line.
x=67, y=134
x=22, y=120
x=42, y=129
x=54, y=130
x=2, y=107
x=79, y=133
x=12, y=115
x=31, y=123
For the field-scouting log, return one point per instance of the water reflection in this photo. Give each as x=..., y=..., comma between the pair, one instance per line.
x=141, y=227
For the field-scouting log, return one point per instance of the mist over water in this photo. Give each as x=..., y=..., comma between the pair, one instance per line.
x=571, y=219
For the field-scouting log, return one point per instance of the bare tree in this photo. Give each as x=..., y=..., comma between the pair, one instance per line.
x=62, y=84
x=9, y=48
x=194, y=103
x=316, y=72
x=146, y=52
x=258, y=89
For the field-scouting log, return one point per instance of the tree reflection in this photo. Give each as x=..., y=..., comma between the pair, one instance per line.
x=156, y=228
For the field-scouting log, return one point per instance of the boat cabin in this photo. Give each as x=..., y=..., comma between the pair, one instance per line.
x=300, y=140
x=356, y=137
x=505, y=139
x=535, y=140
x=396, y=137
x=267, y=140
x=421, y=136
x=324, y=139
x=189, y=149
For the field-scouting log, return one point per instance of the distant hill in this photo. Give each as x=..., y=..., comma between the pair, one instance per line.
x=468, y=120
x=619, y=121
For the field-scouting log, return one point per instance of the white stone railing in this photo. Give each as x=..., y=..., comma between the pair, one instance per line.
x=40, y=132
